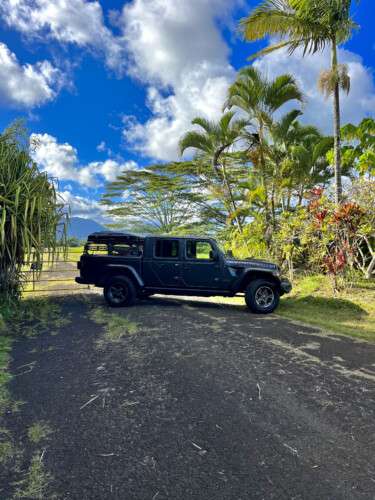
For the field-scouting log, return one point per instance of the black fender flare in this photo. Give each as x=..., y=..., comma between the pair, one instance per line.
x=113, y=267
x=254, y=273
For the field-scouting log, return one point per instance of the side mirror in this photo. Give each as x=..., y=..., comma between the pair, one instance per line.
x=214, y=255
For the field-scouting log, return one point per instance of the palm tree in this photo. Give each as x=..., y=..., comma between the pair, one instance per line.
x=260, y=98
x=310, y=25
x=299, y=155
x=214, y=142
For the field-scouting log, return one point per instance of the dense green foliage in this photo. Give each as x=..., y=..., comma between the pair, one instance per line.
x=30, y=212
x=261, y=182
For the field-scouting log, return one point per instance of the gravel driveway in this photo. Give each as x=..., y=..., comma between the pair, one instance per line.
x=182, y=399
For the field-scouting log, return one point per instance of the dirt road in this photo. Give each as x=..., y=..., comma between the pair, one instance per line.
x=180, y=399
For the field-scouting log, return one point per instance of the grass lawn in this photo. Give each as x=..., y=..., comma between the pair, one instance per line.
x=74, y=253
x=64, y=269
x=351, y=312
x=312, y=301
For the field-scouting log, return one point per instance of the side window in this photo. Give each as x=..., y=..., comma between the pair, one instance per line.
x=166, y=249
x=201, y=250
x=126, y=250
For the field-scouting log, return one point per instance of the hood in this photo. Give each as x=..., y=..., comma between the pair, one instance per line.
x=252, y=264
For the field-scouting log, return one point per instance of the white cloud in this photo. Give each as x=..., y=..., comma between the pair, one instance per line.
x=78, y=22
x=61, y=161
x=317, y=110
x=27, y=85
x=176, y=48
x=168, y=37
x=101, y=147
x=86, y=208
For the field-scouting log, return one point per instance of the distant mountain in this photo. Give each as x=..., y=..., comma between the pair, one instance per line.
x=81, y=228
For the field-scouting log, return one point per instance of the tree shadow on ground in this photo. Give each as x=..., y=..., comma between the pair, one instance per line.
x=333, y=314
x=326, y=304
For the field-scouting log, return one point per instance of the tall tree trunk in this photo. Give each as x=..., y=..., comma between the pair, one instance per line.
x=273, y=208
x=231, y=197
x=336, y=128
x=263, y=174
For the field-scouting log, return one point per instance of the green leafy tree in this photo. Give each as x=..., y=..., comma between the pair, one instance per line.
x=149, y=200
x=310, y=25
x=359, y=147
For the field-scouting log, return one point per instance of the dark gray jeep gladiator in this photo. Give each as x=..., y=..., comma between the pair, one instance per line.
x=128, y=267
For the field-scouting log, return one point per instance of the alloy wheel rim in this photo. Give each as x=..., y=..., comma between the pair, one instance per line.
x=118, y=293
x=264, y=297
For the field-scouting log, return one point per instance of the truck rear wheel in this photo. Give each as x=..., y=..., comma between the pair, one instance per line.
x=262, y=296
x=120, y=292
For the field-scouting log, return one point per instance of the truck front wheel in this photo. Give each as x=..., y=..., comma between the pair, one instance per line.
x=262, y=296
x=119, y=292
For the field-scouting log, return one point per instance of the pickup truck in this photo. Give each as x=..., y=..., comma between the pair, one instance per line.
x=128, y=267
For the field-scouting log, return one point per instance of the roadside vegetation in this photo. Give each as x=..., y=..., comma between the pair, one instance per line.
x=31, y=215
x=29, y=479
x=351, y=311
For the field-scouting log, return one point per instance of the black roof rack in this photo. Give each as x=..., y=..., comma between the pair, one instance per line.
x=113, y=237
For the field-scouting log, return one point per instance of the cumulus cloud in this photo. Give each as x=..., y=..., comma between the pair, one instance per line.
x=27, y=85
x=177, y=49
x=78, y=22
x=84, y=207
x=61, y=161
x=317, y=110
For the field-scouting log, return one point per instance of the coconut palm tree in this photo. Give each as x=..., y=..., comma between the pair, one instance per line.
x=310, y=25
x=259, y=98
x=214, y=142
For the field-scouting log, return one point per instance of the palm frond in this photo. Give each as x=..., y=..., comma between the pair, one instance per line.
x=195, y=140
x=328, y=79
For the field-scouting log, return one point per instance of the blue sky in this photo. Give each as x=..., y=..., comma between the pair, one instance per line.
x=109, y=86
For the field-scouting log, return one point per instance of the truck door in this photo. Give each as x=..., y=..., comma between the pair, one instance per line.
x=201, y=267
x=164, y=267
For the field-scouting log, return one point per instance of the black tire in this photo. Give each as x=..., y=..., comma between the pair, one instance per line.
x=119, y=291
x=262, y=296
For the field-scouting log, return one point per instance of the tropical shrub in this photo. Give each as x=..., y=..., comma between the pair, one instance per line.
x=30, y=212
x=323, y=237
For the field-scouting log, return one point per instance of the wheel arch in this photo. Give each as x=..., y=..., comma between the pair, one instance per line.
x=122, y=270
x=256, y=275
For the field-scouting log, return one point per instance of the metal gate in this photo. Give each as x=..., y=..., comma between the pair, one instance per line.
x=56, y=276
